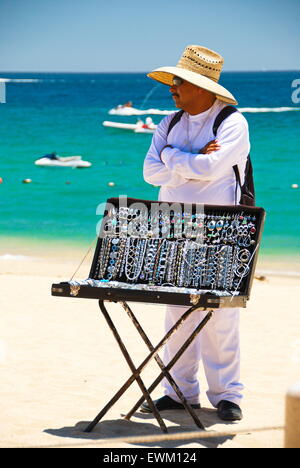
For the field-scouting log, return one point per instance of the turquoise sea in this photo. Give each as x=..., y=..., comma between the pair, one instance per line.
x=46, y=112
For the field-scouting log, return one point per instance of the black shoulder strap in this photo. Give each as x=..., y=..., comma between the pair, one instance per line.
x=238, y=180
x=237, y=174
x=225, y=112
x=174, y=121
x=247, y=189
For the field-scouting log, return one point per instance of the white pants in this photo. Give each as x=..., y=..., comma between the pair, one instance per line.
x=217, y=345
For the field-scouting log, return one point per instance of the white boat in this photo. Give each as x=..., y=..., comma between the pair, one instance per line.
x=138, y=127
x=53, y=159
x=124, y=110
x=123, y=126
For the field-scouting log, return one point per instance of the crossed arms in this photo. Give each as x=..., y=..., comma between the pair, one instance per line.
x=167, y=165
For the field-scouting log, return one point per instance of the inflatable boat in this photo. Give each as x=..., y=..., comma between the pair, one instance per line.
x=123, y=126
x=138, y=127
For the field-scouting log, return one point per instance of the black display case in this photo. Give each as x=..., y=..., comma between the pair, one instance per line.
x=172, y=253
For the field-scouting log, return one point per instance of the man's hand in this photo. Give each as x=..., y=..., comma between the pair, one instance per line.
x=210, y=147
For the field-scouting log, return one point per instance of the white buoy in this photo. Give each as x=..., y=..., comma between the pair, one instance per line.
x=295, y=186
x=26, y=181
x=292, y=417
x=111, y=184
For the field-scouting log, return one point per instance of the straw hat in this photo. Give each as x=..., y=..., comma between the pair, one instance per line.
x=201, y=67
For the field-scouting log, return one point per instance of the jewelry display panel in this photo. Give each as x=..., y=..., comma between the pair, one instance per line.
x=173, y=253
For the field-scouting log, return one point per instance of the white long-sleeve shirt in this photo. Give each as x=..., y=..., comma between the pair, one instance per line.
x=183, y=174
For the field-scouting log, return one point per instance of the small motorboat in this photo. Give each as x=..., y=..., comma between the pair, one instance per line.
x=126, y=110
x=138, y=127
x=52, y=159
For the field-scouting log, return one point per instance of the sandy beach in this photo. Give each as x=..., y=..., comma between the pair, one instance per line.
x=60, y=364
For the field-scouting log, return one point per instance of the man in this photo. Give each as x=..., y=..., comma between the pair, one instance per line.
x=191, y=166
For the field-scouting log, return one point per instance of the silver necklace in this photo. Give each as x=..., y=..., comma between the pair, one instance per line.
x=188, y=140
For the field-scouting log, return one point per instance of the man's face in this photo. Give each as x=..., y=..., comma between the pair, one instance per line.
x=185, y=94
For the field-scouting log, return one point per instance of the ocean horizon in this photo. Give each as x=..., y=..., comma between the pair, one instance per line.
x=63, y=112
x=144, y=72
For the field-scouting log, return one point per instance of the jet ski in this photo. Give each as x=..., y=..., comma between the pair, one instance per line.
x=52, y=159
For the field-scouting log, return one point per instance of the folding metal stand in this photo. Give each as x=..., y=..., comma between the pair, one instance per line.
x=153, y=354
x=234, y=230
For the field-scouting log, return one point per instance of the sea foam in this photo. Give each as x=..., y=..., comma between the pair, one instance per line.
x=268, y=109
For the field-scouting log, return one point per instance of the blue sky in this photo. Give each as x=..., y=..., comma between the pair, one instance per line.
x=120, y=35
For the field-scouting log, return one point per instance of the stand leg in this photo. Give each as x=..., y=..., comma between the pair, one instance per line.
x=131, y=379
x=172, y=362
x=133, y=369
x=160, y=363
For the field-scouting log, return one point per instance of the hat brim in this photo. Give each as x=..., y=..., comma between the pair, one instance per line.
x=165, y=75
